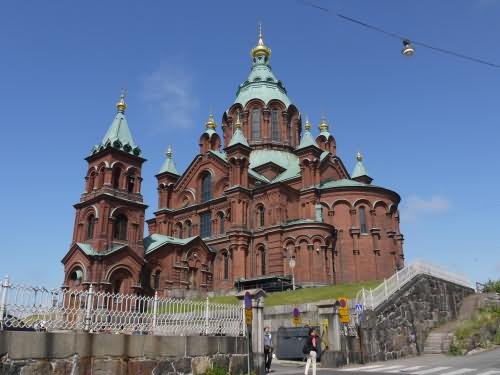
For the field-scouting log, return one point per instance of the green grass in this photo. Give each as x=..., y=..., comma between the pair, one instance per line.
x=468, y=329
x=306, y=295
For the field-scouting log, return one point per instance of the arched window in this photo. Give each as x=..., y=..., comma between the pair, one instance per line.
x=91, y=182
x=206, y=187
x=226, y=266
x=76, y=277
x=156, y=280
x=115, y=177
x=178, y=229
x=261, y=215
x=90, y=227
x=221, y=223
x=100, y=177
x=362, y=220
x=275, y=125
x=120, y=232
x=262, y=254
x=206, y=224
x=256, y=124
x=189, y=228
x=130, y=182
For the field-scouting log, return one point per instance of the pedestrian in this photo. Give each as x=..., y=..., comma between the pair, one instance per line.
x=268, y=348
x=310, y=349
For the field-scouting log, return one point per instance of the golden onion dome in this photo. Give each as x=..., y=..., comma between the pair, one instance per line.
x=121, y=106
x=261, y=48
x=210, y=124
x=323, y=126
x=237, y=125
x=307, y=125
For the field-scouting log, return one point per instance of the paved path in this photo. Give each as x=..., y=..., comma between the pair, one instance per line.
x=485, y=363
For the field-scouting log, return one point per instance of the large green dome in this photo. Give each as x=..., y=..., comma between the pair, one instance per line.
x=261, y=82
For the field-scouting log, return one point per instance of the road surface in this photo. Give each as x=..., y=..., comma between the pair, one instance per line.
x=484, y=363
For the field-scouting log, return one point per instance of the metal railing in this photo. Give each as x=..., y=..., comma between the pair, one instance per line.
x=372, y=298
x=25, y=307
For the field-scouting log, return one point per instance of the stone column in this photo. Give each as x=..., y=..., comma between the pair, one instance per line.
x=333, y=356
x=256, y=334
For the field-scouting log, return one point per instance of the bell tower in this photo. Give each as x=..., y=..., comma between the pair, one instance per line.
x=109, y=217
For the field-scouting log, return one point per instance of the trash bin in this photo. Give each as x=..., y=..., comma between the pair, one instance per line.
x=292, y=340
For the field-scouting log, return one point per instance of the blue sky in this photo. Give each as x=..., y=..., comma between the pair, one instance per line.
x=427, y=125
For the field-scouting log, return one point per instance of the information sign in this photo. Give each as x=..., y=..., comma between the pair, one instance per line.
x=248, y=316
x=248, y=301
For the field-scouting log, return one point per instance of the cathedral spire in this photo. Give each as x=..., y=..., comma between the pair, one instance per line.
x=359, y=172
x=238, y=136
x=169, y=165
x=307, y=139
x=210, y=124
x=261, y=49
x=118, y=135
x=121, y=106
x=323, y=126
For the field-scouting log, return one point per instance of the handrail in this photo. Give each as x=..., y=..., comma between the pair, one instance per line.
x=372, y=298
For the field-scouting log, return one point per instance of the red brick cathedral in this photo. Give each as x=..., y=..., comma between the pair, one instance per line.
x=261, y=191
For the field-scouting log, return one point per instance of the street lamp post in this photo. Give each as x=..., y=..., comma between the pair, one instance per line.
x=291, y=264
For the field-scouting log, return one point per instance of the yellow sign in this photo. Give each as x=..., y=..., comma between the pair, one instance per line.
x=296, y=320
x=248, y=316
x=345, y=318
x=344, y=310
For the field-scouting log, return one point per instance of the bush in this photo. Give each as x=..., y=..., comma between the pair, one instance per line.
x=216, y=370
x=492, y=286
x=479, y=332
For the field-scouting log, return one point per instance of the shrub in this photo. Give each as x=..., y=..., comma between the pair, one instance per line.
x=492, y=286
x=216, y=370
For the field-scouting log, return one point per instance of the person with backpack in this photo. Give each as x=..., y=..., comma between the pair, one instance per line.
x=310, y=349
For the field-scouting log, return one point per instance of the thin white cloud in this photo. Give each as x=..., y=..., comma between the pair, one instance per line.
x=415, y=207
x=170, y=91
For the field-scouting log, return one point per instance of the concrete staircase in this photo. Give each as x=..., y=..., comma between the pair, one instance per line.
x=439, y=340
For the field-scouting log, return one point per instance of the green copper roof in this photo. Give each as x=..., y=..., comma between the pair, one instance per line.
x=359, y=169
x=90, y=251
x=261, y=84
x=307, y=140
x=169, y=165
x=238, y=137
x=154, y=241
x=285, y=159
x=220, y=154
x=341, y=183
x=118, y=136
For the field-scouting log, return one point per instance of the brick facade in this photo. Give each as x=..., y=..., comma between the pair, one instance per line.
x=262, y=192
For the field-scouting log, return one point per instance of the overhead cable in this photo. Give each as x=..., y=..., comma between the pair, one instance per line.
x=398, y=36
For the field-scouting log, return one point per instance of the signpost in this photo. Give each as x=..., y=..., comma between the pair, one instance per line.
x=359, y=308
x=248, y=322
x=296, y=320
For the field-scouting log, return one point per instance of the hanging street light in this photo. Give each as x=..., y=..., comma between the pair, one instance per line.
x=408, y=49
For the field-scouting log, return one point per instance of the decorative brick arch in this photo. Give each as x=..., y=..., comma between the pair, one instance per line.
x=361, y=201
x=73, y=268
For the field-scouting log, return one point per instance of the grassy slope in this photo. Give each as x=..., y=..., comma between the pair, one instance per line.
x=469, y=330
x=306, y=295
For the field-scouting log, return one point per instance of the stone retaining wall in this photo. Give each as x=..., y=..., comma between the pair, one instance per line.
x=29, y=353
x=399, y=327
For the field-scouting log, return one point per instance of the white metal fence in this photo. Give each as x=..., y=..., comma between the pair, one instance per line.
x=25, y=307
x=371, y=298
